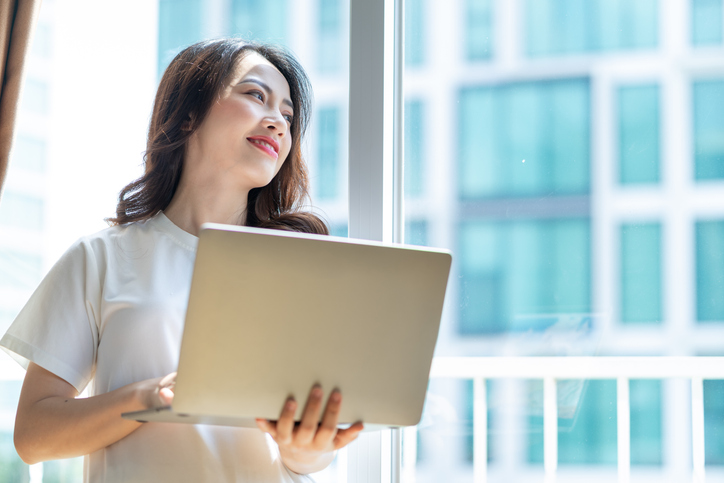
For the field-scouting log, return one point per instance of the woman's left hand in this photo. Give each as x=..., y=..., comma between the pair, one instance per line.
x=309, y=446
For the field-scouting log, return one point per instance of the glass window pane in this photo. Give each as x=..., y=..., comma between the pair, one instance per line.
x=328, y=139
x=586, y=423
x=179, y=25
x=414, y=148
x=524, y=139
x=514, y=270
x=415, y=32
x=641, y=273
x=710, y=271
x=714, y=422
x=479, y=29
x=329, y=40
x=638, y=128
x=708, y=128
x=564, y=27
x=264, y=20
x=646, y=421
x=706, y=22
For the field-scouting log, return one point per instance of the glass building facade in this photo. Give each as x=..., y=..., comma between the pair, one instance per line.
x=563, y=153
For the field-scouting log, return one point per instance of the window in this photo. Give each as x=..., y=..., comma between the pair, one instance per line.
x=328, y=153
x=179, y=26
x=708, y=125
x=264, y=20
x=329, y=49
x=21, y=271
x=524, y=139
x=706, y=22
x=564, y=27
x=414, y=148
x=518, y=275
x=638, y=139
x=35, y=96
x=479, y=29
x=415, y=32
x=710, y=270
x=641, y=273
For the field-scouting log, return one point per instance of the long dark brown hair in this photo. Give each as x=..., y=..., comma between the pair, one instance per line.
x=189, y=87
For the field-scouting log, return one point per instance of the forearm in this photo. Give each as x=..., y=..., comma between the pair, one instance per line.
x=306, y=463
x=62, y=427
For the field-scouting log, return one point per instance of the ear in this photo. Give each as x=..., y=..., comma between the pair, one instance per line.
x=190, y=123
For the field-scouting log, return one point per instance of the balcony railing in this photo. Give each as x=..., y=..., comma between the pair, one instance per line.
x=551, y=369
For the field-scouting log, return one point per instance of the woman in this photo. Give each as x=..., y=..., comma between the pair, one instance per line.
x=223, y=146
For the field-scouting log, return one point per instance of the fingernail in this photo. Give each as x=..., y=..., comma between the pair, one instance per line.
x=290, y=404
x=336, y=396
x=317, y=392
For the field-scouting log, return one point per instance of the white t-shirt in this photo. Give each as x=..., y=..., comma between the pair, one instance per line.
x=111, y=312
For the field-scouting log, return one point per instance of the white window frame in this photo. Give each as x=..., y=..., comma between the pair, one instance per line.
x=376, y=128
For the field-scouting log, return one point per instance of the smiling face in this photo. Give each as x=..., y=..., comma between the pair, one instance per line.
x=245, y=137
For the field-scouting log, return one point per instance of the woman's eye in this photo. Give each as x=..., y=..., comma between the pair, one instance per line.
x=289, y=118
x=256, y=94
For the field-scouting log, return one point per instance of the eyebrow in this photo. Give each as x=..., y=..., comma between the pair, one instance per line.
x=266, y=88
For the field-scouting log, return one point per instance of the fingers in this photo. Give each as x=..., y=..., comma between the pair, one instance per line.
x=328, y=429
x=267, y=426
x=310, y=418
x=285, y=424
x=346, y=436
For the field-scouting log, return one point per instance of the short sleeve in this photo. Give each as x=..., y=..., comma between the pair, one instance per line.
x=57, y=328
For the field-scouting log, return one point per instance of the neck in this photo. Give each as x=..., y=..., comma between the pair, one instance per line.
x=190, y=208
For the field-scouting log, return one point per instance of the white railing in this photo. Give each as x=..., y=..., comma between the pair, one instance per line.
x=551, y=369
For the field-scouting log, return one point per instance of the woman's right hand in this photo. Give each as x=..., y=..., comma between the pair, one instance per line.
x=157, y=392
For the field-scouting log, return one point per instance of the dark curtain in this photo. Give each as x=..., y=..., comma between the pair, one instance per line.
x=17, y=19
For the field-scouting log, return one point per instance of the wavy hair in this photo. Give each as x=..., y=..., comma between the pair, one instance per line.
x=190, y=85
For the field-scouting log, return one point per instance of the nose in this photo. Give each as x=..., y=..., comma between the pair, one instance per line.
x=276, y=123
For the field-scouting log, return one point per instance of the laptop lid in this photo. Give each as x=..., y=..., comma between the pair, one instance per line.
x=271, y=313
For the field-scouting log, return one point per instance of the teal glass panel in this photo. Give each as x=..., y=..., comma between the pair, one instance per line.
x=524, y=139
x=706, y=22
x=565, y=27
x=512, y=270
x=416, y=232
x=329, y=47
x=641, y=273
x=263, y=20
x=29, y=153
x=179, y=25
x=479, y=29
x=415, y=32
x=714, y=422
x=414, y=149
x=638, y=134
x=339, y=230
x=468, y=414
x=646, y=422
x=327, y=182
x=710, y=271
x=586, y=435
x=21, y=211
x=708, y=129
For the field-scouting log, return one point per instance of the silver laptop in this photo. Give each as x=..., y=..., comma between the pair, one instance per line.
x=272, y=312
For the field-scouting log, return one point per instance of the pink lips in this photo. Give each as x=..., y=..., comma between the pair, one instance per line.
x=266, y=144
